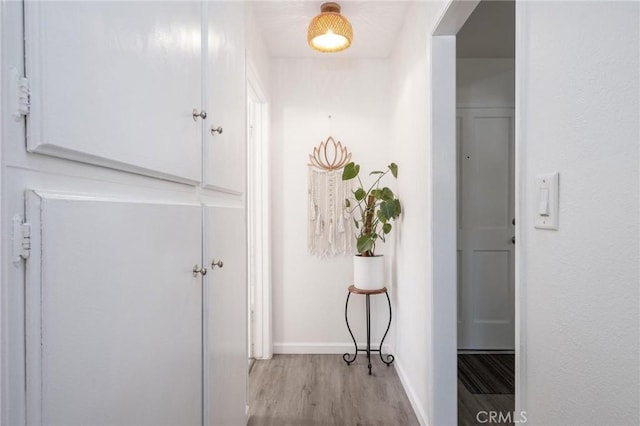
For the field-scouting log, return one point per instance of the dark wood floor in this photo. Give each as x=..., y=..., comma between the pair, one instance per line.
x=469, y=405
x=314, y=390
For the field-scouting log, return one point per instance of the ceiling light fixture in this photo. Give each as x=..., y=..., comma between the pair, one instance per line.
x=329, y=31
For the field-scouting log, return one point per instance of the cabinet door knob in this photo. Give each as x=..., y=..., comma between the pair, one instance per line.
x=214, y=130
x=198, y=270
x=202, y=114
x=219, y=263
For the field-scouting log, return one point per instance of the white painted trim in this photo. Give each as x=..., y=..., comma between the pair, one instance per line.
x=443, y=368
x=33, y=314
x=204, y=69
x=258, y=189
x=454, y=16
x=411, y=394
x=220, y=188
x=32, y=24
x=250, y=170
x=83, y=157
x=206, y=288
x=267, y=327
x=520, y=264
x=303, y=348
x=3, y=229
x=256, y=83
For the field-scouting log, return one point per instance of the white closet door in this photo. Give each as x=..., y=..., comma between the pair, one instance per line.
x=114, y=313
x=224, y=165
x=225, y=316
x=485, y=212
x=115, y=84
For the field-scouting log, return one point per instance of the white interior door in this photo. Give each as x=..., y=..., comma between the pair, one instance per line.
x=224, y=150
x=114, y=313
x=225, y=316
x=485, y=228
x=115, y=84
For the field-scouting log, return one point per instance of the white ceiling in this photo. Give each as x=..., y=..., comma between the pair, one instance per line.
x=489, y=32
x=283, y=24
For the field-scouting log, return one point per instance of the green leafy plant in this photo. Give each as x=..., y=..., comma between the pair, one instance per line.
x=373, y=209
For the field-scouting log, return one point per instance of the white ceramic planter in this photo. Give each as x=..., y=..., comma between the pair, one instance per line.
x=368, y=272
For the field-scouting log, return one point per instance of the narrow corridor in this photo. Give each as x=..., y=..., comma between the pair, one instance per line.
x=313, y=390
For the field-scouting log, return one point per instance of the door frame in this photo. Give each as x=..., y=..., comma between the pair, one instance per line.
x=258, y=217
x=3, y=228
x=444, y=208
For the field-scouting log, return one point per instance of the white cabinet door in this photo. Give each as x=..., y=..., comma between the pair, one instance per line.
x=114, y=313
x=485, y=213
x=115, y=84
x=225, y=316
x=224, y=165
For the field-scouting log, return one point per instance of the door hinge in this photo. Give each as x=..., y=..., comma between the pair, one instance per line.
x=21, y=240
x=22, y=96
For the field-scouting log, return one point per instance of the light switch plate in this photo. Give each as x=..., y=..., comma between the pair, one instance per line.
x=547, y=186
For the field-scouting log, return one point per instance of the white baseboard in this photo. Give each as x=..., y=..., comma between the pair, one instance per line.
x=411, y=394
x=264, y=358
x=321, y=348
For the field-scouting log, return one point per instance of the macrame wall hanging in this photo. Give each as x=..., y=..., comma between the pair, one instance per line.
x=330, y=228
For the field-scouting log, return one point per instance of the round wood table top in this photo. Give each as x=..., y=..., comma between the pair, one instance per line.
x=355, y=290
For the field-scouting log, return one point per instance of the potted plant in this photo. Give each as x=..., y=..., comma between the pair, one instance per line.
x=373, y=209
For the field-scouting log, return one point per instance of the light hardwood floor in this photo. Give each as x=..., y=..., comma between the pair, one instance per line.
x=314, y=390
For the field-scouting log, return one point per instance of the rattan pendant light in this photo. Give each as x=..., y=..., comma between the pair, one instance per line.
x=329, y=31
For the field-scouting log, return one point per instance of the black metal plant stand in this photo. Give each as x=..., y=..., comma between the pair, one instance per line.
x=347, y=357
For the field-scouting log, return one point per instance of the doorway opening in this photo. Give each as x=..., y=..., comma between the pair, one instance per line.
x=485, y=115
x=258, y=221
x=474, y=127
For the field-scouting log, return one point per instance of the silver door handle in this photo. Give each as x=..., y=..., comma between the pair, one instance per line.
x=214, y=130
x=219, y=264
x=198, y=270
x=202, y=114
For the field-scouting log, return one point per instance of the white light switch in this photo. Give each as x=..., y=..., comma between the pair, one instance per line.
x=546, y=214
x=543, y=207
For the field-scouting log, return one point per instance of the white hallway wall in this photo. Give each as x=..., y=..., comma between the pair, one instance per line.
x=485, y=82
x=257, y=52
x=309, y=292
x=411, y=144
x=579, y=92
x=580, y=117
